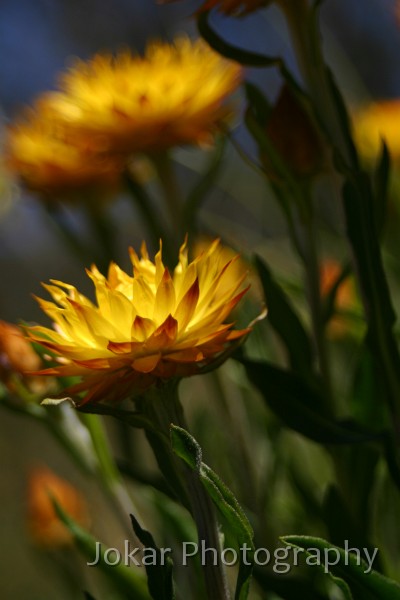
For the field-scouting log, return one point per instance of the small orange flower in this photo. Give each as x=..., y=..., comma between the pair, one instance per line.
x=17, y=358
x=44, y=526
x=147, y=327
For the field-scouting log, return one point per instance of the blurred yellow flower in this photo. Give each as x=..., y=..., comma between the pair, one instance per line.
x=144, y=328
x=374, y=123
x=173, y=95
x=44, y=526
x=46, y=161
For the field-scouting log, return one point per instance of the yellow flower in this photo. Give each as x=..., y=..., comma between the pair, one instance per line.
x=46, y=161
x=143, y=328
x=374, y=123
x=44, y=526
x=173, y=95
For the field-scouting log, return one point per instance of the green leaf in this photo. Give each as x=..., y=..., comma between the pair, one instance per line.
x=187, y=448
x=285, y=321
x=351, y=574
x=159, y=575
x=381, y=187
x=349, y=519
x=365, y=391
x=258, y=102
x=330, y=298
x=300, y=406
x=88, y=596
x=125, y=579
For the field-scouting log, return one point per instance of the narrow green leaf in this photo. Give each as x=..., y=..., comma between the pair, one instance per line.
x=125, y=579
x=299, y=406
x=381, y=187
x=187, y=448
x=351, y=573
x=159, y=575
x=285, y=321
x=258, y=102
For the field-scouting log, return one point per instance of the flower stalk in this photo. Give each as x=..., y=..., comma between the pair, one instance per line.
x=163, y=407
x=357, y=201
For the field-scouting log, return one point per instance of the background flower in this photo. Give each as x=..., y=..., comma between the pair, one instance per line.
x=44, y=526
x=374, y=123
x=47, y=161
x=173, y=95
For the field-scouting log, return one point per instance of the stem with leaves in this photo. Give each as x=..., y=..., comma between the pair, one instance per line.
x=163, y=407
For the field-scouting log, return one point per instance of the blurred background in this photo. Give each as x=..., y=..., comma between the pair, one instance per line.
x=38, y=40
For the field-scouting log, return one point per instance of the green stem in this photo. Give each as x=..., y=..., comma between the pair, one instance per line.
x=164, y=408
x=172, y=194
x=104, y=231
x=359, y=212
x=108, y=471
x=60, y=223
x=311, y=266
x=146, y=207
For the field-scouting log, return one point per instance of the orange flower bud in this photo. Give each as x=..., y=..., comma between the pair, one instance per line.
x=44, y=526
x=294, y=136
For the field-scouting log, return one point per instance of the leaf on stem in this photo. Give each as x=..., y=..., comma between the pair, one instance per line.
x=125, y=579
x=350, y=573
x=242, y=56
x=285, y=321
x=187, y=448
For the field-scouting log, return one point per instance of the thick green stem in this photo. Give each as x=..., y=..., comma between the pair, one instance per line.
x=311, y=266
x=164, y=408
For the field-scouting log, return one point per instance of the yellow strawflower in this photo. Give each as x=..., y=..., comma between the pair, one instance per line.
x=374, y=123
x=175, y=94
x=42, y=156
x=150, y=326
